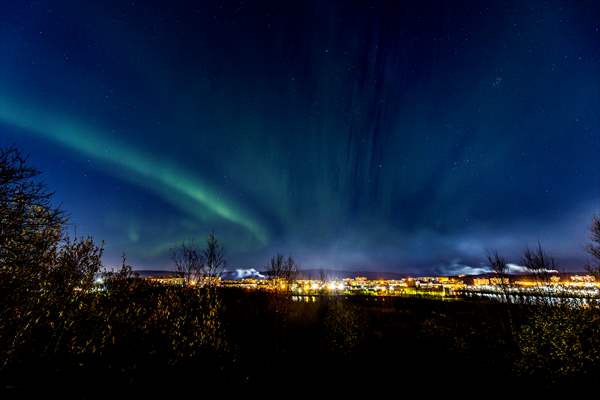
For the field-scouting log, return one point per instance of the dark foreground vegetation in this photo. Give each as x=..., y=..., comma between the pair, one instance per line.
x=61, y=328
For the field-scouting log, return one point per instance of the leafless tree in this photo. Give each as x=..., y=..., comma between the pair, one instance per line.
x=291, y=269
x=499, y=267
x=30, y=233
x=30, y=227
x=214, y=259
x=281, y=268
x=188, y=261
x=322, y=276
x=594, y=247
x=194, y=265
x=539, y=263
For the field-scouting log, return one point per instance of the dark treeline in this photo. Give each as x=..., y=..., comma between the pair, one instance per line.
x=67, y=323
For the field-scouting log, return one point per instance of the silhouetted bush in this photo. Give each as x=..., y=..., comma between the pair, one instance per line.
x=560, y=343
x=344, y=325
x=60, y=310
x=559, y=337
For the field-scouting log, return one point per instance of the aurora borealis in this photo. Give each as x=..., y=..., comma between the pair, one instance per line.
x=382, y=135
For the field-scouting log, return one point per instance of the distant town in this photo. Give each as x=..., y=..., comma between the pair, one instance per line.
x=559, y=285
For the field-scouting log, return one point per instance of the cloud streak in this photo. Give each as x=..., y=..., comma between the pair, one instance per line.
x=458, y=268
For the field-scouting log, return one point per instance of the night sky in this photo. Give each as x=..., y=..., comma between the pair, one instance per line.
x=355, y=135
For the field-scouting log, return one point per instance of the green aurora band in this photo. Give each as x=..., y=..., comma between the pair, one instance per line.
x=170, y=183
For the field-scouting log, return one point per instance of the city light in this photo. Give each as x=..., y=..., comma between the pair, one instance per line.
x=508, y=288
